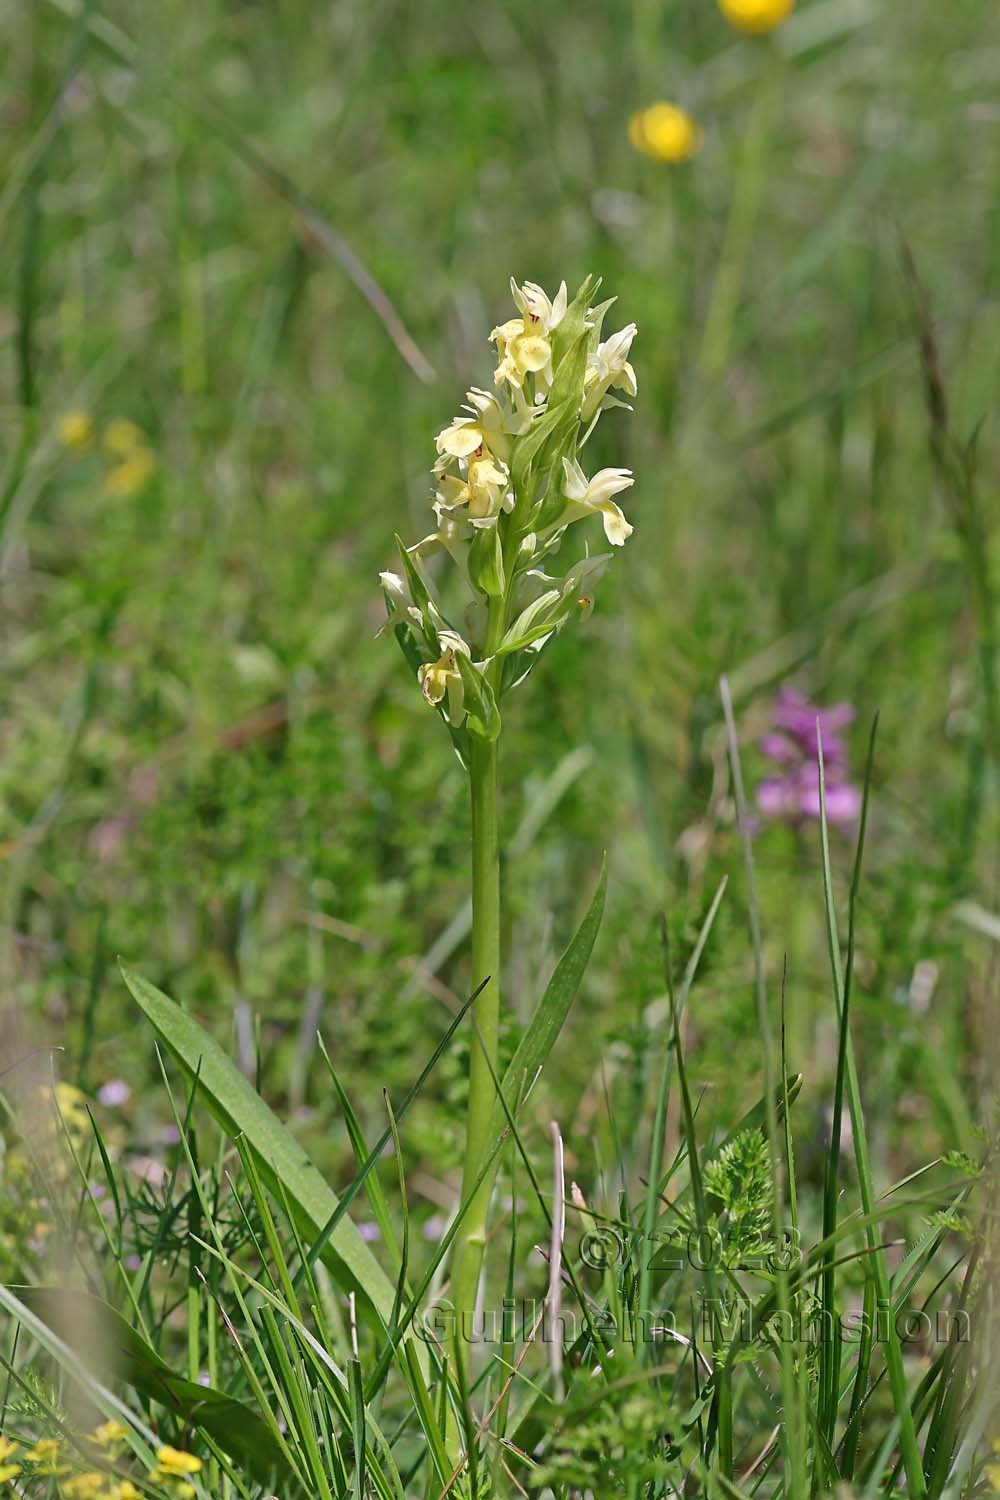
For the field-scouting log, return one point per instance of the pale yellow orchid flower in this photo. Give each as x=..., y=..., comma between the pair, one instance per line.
x=609, y=367
x=523, y=343
x=488, y=425
x=442, y=677
x=588, y=497
x=484, y=489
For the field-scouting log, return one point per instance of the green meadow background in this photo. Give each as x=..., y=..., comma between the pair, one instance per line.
x=275, y=238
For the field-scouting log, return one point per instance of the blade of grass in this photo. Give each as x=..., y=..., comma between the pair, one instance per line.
x=793, y=1439
x=659, y=1118
x=830, y=1347
x=346, y=1198
x=893, y=1352
x=373, y=1187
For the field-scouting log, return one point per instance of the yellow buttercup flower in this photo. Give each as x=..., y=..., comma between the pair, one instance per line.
x=174, y=1463
x=75, y=430
x=665, y=132
x=756, y=16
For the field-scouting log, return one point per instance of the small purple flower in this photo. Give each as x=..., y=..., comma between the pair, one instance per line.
x=114, y=1093
x=793, y=746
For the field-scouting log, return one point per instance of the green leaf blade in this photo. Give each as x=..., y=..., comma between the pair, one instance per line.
x=240, y=1111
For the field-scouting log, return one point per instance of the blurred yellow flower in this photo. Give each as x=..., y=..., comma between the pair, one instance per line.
x=109, y=1433
x=174, y=1463
x=8, y=1470
x=45, y=1455
x=756, y=16
x=123, y=1490
x=122, y=437
x=89, y=1486
x=75, y=430
x=72, y=1107
x=665, y=132
x=128, y=477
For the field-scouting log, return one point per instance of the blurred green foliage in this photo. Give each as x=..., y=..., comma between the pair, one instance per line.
x=208, y=764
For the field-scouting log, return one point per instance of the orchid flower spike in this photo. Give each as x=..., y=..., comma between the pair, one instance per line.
x=507, y=485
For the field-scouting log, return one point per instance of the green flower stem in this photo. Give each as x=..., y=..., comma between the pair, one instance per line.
x=470, y=1241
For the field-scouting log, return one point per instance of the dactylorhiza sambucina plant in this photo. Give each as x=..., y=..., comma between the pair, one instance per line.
x=510, y=480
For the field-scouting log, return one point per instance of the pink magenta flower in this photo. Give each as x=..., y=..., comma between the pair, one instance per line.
x=792, y=745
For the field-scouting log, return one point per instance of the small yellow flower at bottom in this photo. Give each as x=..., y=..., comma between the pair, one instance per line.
x=89, y=1486
x=45, y=1456
x=123, y=1490
x=756, y=16
x=8, y=1470
x=109, y=1433
x=993, y=1475
x=174, y=1463
x=75, y=430
x=665, y=132
x=128, y=477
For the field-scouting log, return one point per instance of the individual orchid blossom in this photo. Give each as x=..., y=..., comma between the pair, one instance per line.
x=523, y=343
x=399, y=603
x=486, y=426
x=482, y=489
x=442, y=677
x=589, y=497
x=609, y=367
x=535, y=307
